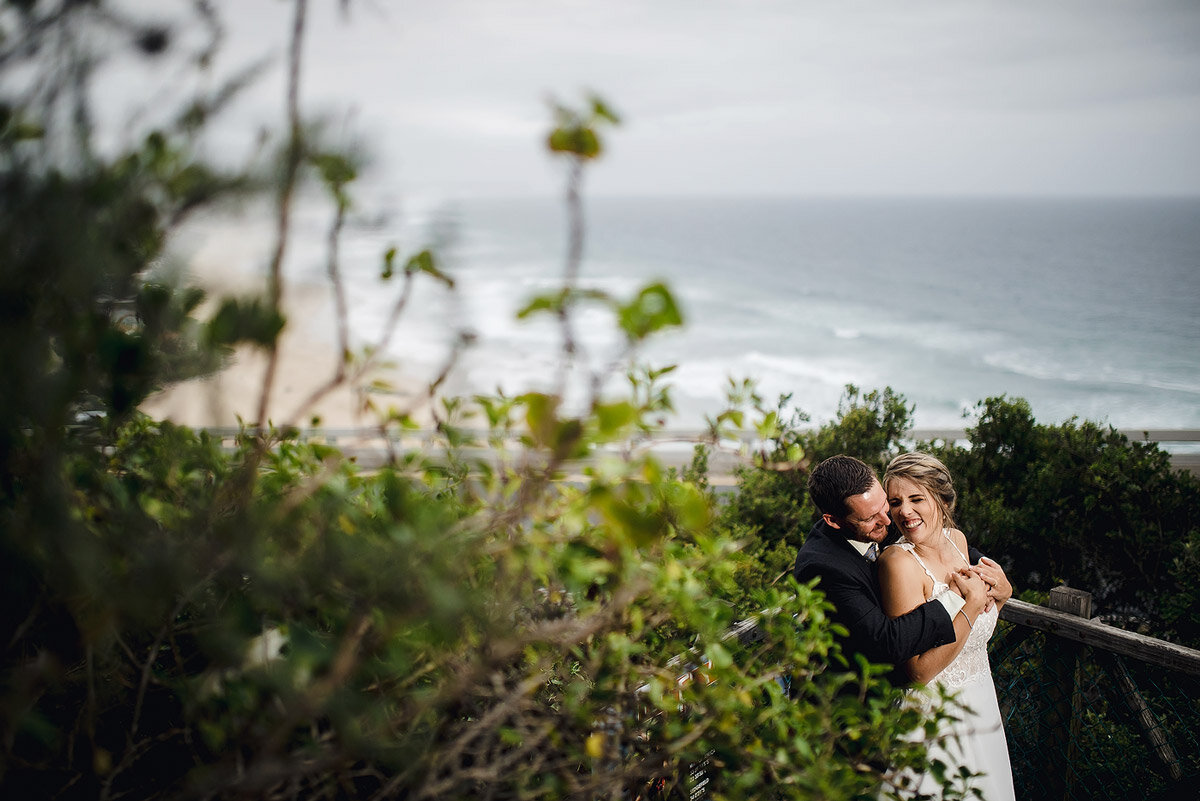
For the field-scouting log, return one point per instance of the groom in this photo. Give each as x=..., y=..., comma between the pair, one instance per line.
x=841, y=551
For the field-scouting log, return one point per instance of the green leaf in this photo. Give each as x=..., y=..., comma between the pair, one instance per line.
x=768, y=427
x=718, y=655
x=574, y=132
x=543, y=303
x=244, y=321
x=336, y=170
x=568, y=440
x=734, y=417
x=389, y=263
x=612, y=418
x=602, y=111
x=425, y=262
x=576, y=140
x=541, y=415
x=652, y=310
x=691, y=507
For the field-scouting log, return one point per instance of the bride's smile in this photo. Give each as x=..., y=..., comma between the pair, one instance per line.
x=912, y=510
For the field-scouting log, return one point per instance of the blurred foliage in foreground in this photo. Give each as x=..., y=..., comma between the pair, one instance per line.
x=189, y=619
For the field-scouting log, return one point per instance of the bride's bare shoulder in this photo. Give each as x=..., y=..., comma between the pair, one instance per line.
x=901, y=580
x=896, y=560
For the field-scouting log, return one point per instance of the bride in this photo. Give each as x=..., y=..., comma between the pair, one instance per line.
x=921, y=501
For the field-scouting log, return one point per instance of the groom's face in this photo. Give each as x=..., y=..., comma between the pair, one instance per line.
x=867, y=516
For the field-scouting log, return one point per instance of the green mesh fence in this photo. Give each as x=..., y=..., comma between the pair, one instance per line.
x=1084, y=723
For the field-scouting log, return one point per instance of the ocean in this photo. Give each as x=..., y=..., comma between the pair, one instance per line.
x=1086, y=308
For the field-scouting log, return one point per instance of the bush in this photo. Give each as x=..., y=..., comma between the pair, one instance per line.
x=1080, y=504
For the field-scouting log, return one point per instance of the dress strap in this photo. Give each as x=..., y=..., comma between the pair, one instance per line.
x=946, y=532
x=908, y=547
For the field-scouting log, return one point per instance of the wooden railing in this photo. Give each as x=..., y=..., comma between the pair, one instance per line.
x=1070, y=692
x=1067, y=615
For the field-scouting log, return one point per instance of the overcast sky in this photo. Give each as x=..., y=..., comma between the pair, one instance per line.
x=789, y=97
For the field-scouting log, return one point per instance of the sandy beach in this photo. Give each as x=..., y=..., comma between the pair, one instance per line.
x=304, y=366
x=227, y=259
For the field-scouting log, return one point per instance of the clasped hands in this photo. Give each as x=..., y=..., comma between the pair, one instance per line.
x=982, y=585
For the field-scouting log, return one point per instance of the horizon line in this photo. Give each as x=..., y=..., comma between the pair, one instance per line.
x=469, y=195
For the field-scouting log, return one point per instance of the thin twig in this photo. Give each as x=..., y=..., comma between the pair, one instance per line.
x=148, y=666
x=488, y=721
x=344, y=662
x=291, y=170
x=19, y=632
x=600, y=377
x=333, y=270
x=573, y=266
x=389, y=326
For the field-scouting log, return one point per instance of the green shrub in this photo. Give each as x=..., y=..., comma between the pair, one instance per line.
x=1080, y=504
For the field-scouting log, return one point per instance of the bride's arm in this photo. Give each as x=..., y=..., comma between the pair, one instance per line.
x=902, y=583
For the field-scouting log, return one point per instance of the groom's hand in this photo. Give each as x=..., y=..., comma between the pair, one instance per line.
x=999, y=589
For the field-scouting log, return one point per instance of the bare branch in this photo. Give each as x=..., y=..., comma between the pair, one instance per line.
x=291, y=169
x=573, y=266
x=342, y=316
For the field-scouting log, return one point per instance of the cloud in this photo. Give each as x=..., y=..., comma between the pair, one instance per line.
x=774, y=96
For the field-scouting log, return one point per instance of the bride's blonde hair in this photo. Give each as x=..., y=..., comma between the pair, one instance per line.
x=926, y=471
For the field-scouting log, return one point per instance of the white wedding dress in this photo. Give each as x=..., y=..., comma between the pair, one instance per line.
x=977, y=740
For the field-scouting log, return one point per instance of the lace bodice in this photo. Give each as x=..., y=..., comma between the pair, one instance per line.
x=971, y=663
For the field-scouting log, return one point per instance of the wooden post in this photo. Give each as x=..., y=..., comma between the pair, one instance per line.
x=1062, y=719
x=1152, y=730
x=1073, y=602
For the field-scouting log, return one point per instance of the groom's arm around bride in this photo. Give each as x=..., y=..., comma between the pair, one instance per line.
x=840, y=551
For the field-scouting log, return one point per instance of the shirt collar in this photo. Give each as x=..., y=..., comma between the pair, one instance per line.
x=860, y=546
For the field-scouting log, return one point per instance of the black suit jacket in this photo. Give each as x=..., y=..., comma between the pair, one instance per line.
x=850, y=584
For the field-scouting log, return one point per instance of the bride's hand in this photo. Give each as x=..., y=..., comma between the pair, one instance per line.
x=999, y=588
x=974, y=590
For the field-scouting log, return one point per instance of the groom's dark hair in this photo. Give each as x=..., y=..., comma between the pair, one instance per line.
x=836, y=479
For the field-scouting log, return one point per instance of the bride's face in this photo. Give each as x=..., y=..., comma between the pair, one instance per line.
x=913, y=510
